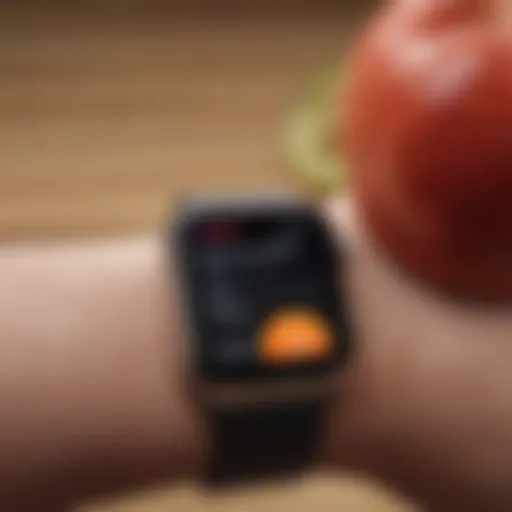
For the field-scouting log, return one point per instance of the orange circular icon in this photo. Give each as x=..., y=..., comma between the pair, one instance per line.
x=295, y=336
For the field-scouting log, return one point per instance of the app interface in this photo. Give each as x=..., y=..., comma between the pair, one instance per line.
x=264, y=296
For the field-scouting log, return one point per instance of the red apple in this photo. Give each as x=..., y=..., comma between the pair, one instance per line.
x=429, y=141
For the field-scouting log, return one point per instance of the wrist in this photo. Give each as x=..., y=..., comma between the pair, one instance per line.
x=368, y=418
x=424, y=406
x=158, y=416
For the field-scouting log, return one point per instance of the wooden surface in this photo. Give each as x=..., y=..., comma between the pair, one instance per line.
x=101, y=129
x=104, y=126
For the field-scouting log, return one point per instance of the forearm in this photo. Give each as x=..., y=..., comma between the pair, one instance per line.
x=93, y=390
x=95, y=393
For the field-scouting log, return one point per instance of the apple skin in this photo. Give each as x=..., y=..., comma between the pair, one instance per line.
x=428, y=134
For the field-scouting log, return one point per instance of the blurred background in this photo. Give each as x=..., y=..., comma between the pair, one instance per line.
x=112, y=110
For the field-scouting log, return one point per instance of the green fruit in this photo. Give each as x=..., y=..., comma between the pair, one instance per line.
x=311, y=143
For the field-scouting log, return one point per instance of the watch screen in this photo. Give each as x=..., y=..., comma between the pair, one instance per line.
x=263, y=292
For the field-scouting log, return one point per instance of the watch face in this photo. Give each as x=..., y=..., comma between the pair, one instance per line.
x=263, y=292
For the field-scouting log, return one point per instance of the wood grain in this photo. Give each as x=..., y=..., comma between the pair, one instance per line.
x=103, y=130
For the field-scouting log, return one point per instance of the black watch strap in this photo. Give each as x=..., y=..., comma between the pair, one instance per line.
x=252, y=442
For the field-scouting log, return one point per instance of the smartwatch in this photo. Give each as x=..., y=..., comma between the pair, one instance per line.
x=266, y=326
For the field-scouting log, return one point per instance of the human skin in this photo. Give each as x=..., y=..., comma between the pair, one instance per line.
x=96, y=397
